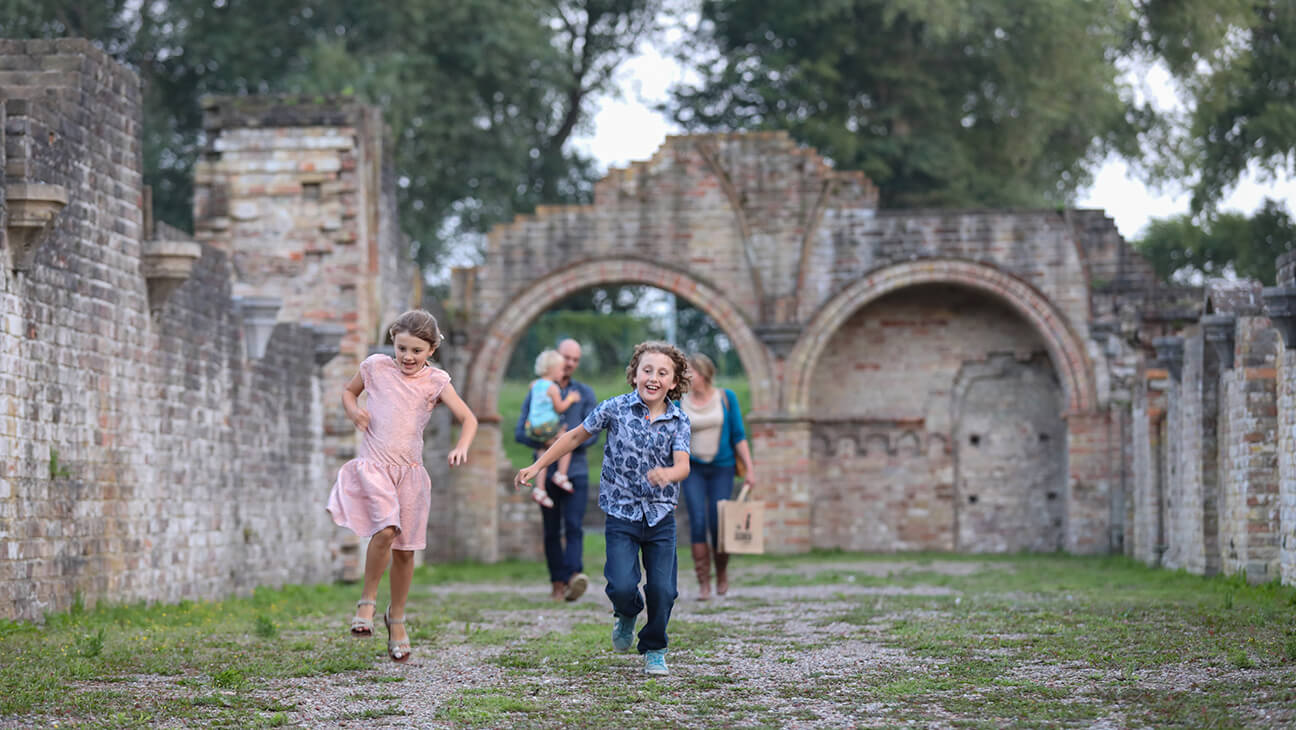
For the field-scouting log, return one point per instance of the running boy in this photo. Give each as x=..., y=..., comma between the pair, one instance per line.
x=644, y=461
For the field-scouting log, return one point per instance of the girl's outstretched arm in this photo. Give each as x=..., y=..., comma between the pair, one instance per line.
x=564, y=445
x=351, y=404
x=459, y=454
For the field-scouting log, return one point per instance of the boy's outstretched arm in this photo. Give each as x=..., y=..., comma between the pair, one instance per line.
x=564, y=445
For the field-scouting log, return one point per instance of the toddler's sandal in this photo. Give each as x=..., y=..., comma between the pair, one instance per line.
x=562, y=481
x=541, y=497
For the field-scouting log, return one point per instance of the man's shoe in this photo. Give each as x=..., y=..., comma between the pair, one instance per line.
x=655, y=662
x=576, y=587
x=558, y=590
x=623, y=633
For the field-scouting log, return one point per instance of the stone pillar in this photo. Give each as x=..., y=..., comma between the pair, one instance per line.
x=474, y=493
x=1286, y=426
x=1093, y=466
x=1249, y=520
x=781, y=448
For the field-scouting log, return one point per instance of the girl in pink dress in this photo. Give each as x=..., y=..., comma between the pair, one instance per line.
x=384, y=493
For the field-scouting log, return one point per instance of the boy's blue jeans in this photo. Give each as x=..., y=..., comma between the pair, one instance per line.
x=626, y=540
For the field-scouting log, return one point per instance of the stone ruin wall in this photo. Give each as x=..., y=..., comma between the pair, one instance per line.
x=146, y=451
x=1215, y=479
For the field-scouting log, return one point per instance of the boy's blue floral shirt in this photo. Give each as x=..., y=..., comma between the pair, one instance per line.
x=634, y=446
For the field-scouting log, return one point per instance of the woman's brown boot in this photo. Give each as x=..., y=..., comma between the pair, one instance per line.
x=722, y=573
x=702, y=566
x=559, y=590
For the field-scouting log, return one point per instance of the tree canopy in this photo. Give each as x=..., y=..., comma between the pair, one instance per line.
x=482, y=96
x=950, y=103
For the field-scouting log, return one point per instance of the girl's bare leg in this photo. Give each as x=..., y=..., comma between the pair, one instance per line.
x=402, y=574
x=376, y=557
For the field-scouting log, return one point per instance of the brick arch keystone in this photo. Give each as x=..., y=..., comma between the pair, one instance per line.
x=508, y=325
x=1064, y=347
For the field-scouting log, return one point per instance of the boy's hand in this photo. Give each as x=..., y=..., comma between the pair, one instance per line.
x=360, y=418
x=575, y=396
x=657, y=476
x=457, y=456
x=525, y=477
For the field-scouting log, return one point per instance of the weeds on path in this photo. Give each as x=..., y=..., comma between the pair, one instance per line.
x=820, y=640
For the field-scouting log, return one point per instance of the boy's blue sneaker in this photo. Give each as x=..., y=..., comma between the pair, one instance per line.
x=655, y=662
x=623, y=633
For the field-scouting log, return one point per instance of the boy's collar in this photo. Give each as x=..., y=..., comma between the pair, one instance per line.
x=671, y=407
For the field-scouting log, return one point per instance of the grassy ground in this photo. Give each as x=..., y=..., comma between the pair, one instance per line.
x=513, y=392
x=821, y=640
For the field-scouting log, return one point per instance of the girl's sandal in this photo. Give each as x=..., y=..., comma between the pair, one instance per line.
x=361, y=626
x=399, y=651
x=541, y=497
x=563, y=482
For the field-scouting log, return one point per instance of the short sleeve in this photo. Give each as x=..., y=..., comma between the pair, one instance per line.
x=438, y=379
x=598, y=418
x=367, y=368
x=683, y=434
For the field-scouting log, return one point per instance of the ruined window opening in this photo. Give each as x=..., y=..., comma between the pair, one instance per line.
x=1044, y=438
x=974, y=439
x=1052, y=495
x=311, y=190
x=972, y=499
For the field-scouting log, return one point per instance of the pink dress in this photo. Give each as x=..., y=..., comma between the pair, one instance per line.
x=386, y=484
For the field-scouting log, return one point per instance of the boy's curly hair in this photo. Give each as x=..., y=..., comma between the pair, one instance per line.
x=683, y=379
x=419, y=323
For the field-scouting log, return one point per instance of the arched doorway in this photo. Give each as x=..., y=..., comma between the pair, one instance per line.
x=936, y=408
x=477, y=488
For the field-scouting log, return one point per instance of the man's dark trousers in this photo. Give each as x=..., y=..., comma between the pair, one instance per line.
x=563, y=551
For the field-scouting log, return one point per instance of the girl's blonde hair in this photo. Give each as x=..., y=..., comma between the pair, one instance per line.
x=546, y=360
x=682, y=377
x=419, y=323
x=703, y=365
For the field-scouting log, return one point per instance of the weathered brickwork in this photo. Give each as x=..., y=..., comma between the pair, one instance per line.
x=146, y=451
x=1286, y=425
x=783, y=252
x=1250, y=528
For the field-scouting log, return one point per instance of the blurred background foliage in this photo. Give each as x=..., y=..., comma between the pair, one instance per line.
x=951, y=103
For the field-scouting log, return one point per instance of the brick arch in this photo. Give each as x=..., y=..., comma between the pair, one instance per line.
x=507, y=327
x=1064, y=347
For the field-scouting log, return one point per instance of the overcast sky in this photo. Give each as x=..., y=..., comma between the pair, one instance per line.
x=627, y=129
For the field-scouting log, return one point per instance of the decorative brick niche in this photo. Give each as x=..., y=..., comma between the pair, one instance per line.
x=328, y=341
x=259, y=316
x=32, y=208
x=1170, y=354
x=1280, y=306
x=166, y=265
x=1218, y=330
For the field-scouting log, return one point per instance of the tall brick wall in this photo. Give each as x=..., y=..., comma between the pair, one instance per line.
x=142, y=456
x=301, y=194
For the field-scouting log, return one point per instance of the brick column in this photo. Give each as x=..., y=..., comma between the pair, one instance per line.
x=1094, y=462
x=1286, y=387
x=1249, y=519
x=474, y=492
x=781, y=450
x=1287, y=463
